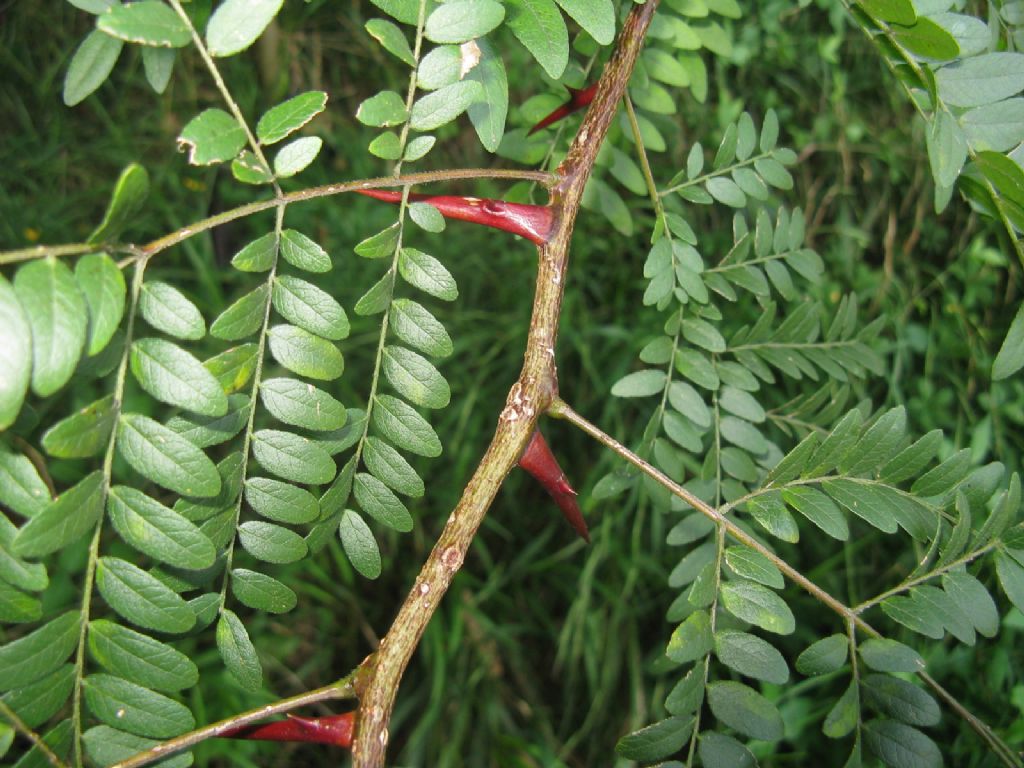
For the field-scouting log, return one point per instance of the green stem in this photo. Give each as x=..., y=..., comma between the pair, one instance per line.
x=716, y=172
x=94, y=546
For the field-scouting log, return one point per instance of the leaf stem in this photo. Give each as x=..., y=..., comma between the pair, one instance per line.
x=28, y=733
x=343, y=689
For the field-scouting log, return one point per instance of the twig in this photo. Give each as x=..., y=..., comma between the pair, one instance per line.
x=28, y=733
x=528, y=398
x=343, y=689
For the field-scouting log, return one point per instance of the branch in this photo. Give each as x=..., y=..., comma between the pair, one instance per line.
x=851, y=617
x=343, y=689
x=529, y=397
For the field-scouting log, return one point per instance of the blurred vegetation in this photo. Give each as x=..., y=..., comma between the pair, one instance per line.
x=544, y=651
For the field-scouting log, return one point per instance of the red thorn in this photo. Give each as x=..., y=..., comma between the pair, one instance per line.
x=534, y=222
x=538, y=460
x=577, y=101
x=332, y=729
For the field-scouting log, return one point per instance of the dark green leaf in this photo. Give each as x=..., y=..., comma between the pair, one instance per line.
x=900, y=699
x=824, y=656
x=292, y=457
x=392, y=40
x=238, y=652
x=233, y=367
x=377, y=500
x=720, y=751
x=310, y=308
x=745, y=710
x=38, y=653
x=404, y=427
x=691, y=640
x=102, y=284
x=303, y=353
x=388, y=465
x=82, y=434
x=281, y=502
x=1011, y=578
x=31, y=577
x=212, y=136
x=416, y=326
x=751, y=564
x=257, y=256
x=359, y=544
x=656, y=741
x=262, y=592
x=758, y=605
x=597, y=17
x=1011, y=354
x=107, y=746
x=173, y=376
x=428, y=274
x=39, y=701
x=71, y=517
x=819, y=509
x=243, y=318
x=890, y=656
x=900, y=746
x=751, y=656
x=862, y=500
x=136, y=709
x=158, y=531
x=302, y=405
x=165, y=457
x=204, y=431
x=845, y=713
x=140, y=658
x=141, y=598
x=539, y=26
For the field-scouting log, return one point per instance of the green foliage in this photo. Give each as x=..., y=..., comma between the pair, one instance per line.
x=265, y=467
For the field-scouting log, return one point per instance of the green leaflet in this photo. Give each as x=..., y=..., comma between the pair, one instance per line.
x=262, y=592
x=147, y=22
x=289, y=116
x=459, y=21
x=388, y=465
x=38, y=702
x=415, y=377
x=656, y=741
x=272, y=543
x=21, y=488
x=167, y=309
x=69, y=518
x=310, y=308
x=102, y=284
x=15, y=354
x=107, y=746
x=302, y=405
x=134, y=708
x=158, y=531
x=141, y=598
x=745, y=710
x=292, y=457
x=303, y=353
x=58, y=316
x=238, y=652
x=243, y=318
x=377, y=500
x=82, y=434
x=539, y=26
x=359, y=544
x=165, y=457
x=30, y=577
x=213, y=136
x=281, y=502
x=140, y=658
x=90, y=66
x=172, y=375
x=38, y=653
x=758, y=605
x=404, y=427
x=824, y=656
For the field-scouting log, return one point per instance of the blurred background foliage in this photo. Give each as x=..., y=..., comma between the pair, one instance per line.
x=544, y=651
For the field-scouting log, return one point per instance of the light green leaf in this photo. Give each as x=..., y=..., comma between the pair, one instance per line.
x=107, y=746
x=167, y=309
x=257, y=256
x=1011, y=578
x=745, y=710
x=15, y=355
x=415, y=377
x=302, y=405
x=445, y=104
x=720, y=751
x=384, y=109
x=142, y=598
x=17, y=607
x=21, y=488
x=386, y=146
x=900, y=746
x=302, y=252
x=243, y=318
x=126, y=201
x=751, y=656
x=158, y=64
x=289, y=116
x=488, y=115
x=426, y=217
x=296, y=156
x=390, y=466
x=823, y=656
x=233, y=367
x=204, y=431
x=1011, y=354
x=359, y=544
x=273, y=543
x=281, y=502
x=69, y=518
x=864, y=501
x=895, y=11
x=140, y=658
x=303, y=353
x=406, y=11
x=404, y=427
x=37, y=654
x=237, y=24
x=758, y=605
x=90, y=66
x=771, y=514
x=377, y=500
x=640, y=384
x=58, y=316
x=656, y=741
x=597, y=17
x=885, y=655
x=912, y=460
x=539, y=26
x=973, y=600
x=173, y=376
x=378, y=297
x=440, y=67
x=819, y=509
x=158, y=531
x=427, y=273
x=102, y=284
x=148, y=22
x=165, y=457
x=751, y=564
x=379, y=245
x=980, y=80
x=292, y=457
x=416, y=326
x=391, y=39
x=309, y=307
x=238, y=652
x=692, y=639
x=262, y=592
x=82, y=434
x=459, y=21
x=418, y=147
x=249, y=169
x=212, y=136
